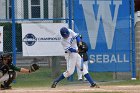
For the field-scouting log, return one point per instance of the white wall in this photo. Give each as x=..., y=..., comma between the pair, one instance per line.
x=19, y=10
x=137, y=16
x=19, y=13
x=2, y=9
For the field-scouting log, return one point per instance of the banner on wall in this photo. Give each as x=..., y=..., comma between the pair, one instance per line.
x=106, y=29
x=42, y=39
x=1, y=39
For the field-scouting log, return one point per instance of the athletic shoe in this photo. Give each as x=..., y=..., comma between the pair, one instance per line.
x=94, y=85
x=80, y=80
x=85, y=80
x=54, y=85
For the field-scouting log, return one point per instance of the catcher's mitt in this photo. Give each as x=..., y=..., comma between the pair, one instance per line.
x=34, y=67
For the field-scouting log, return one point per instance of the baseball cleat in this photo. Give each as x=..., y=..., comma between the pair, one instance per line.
x=94, y=85
x=80, y=79
x=54, y=85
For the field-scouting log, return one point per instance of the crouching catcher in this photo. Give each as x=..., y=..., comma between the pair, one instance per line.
x=8, y=70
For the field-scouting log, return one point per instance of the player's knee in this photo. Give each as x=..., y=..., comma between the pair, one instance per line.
x=68, y=73
x=84, y=72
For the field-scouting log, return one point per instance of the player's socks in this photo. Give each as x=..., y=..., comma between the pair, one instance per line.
x=88, y=77
x=61, y=77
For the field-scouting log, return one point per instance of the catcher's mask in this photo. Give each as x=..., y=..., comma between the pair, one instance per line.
x=6, y=58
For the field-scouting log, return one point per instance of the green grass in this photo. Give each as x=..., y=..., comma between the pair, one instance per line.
x=35, y=79
x=43, y=78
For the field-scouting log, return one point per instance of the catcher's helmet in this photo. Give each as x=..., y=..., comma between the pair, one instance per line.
x=7, y=56
x=64, y=32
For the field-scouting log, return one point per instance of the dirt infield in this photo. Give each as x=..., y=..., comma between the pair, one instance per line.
x=76, y=89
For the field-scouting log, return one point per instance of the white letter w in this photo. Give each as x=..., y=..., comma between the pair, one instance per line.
x=104, y=12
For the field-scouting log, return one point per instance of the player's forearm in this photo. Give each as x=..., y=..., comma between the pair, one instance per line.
x=24, y=70
x=72, y=50
x=78, y=40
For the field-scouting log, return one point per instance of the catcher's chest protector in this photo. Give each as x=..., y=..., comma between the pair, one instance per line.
x=1, y=65
x=4, y=68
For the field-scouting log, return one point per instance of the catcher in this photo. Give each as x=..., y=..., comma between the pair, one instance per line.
x=8, y=70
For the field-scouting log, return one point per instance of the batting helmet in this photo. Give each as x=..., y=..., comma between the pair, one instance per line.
x=64, y=32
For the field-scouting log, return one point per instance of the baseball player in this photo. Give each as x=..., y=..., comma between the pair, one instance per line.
x=8, y=70
x=69, y=42
x=83, y=53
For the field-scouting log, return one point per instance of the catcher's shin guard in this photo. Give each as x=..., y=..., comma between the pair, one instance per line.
x=12, y=76
x=2, y=87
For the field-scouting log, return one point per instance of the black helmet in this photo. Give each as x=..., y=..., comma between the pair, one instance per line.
x=64, y=32
x=7, y=56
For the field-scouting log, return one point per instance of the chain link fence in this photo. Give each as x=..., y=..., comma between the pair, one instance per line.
x=39, y=11
x=31, y=11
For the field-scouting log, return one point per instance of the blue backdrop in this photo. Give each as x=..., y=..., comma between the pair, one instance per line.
x=105, y=26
